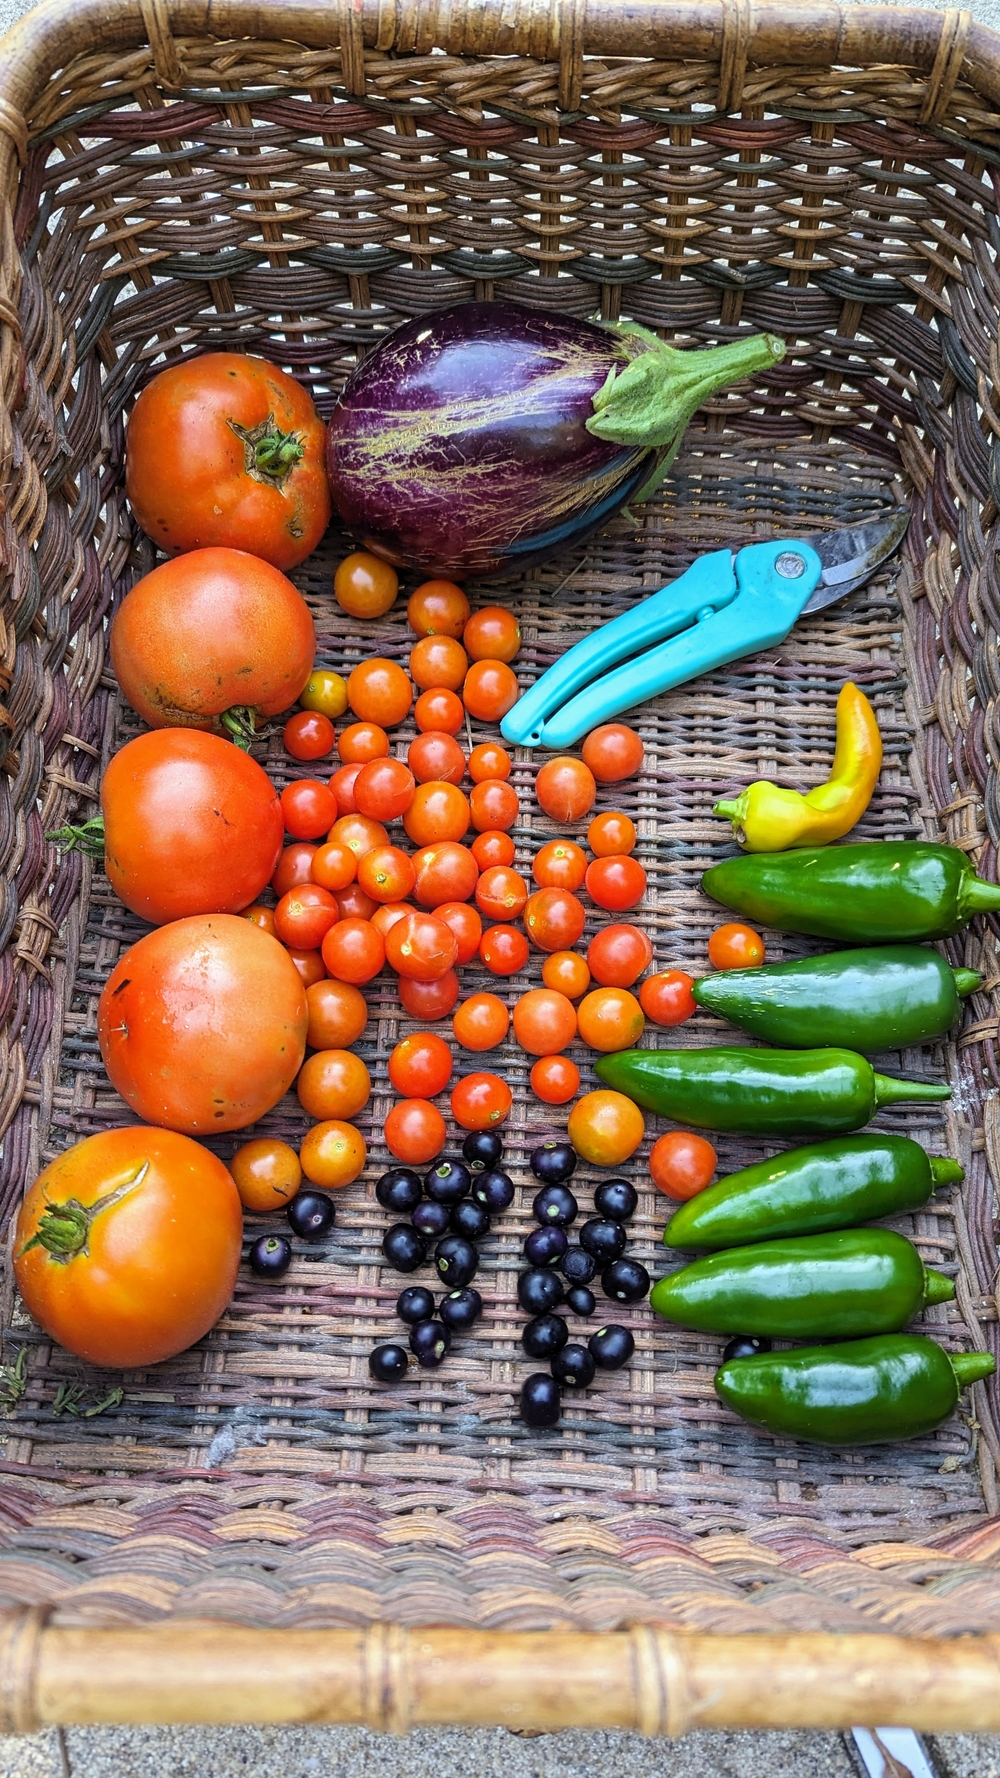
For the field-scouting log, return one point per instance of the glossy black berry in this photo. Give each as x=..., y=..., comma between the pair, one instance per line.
x=555, y=1206
x=545, y=1247
x=461, y=1309
x=604, y=1239
x=270, y=1256
x=415, y=1303
x=611, y=1347
x=469, y=1219
x=577, y=1266
x=553, y=1162
x=457, y=1261
x=431, y=1219
x=400, y=1190
x=448, y=1182
x=388, y=1364
x=573, y=1367
x=482, y=1148
x=404, y=1247
x=545, y=1336
x=581, y=1300
x=493, y=1190
x=616, y=1199
x=540, y=1400
x=539, y=1291
x=312, y=1215
x=745, y=1346
x=429, y=1341
x=625, y=1280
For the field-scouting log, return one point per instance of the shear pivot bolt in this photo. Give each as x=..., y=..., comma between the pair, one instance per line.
x=789, y=565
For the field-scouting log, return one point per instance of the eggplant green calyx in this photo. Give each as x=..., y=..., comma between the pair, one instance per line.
x=270, y=455
x=64, y=1229
x=88, y=837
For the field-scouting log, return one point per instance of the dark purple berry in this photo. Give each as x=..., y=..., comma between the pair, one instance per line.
x=311, y=1215
x=540, y=1400
x=388, y=1364
x=611, y=1347
x=555, y=1206
x=429, y=1341
x=616, y=1199
x=461, y=1309
x=581, y=1300
x=493, y=1190
x=573, y=1367
x=399, y=1190
x=457, y=1261
x=482, y=1148
x=625, y=1280
x=415, y=1303
x=545, y=1247
x=544, y=1336
x=469, y=1219
x=553, y=1162
x=604, y=1240
x=745, y=1346
x=404, y=1247
x=539, y=1291
x=431, y=1219
x=270, y=1256
x=576, y=1266
x=448, y=1182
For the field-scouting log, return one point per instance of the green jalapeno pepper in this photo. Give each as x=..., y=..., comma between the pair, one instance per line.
x=880, y=892
x=884, y=998
x=827, y=1185
x=819, y=1092
x=859, y=1393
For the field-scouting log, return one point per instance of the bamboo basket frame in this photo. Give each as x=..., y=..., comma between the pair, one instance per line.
x=648, y=1679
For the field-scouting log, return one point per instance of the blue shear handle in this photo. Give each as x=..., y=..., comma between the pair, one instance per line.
x=762, y=614
x=708, y=582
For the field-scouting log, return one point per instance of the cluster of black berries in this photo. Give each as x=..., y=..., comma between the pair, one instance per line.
x=541, y=1290
x=311, y=1214
x=451, y=1205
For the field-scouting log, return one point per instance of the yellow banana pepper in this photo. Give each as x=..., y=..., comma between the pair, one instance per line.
x=766, y=818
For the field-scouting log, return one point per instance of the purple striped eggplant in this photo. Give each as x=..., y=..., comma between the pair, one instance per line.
x=487, y=436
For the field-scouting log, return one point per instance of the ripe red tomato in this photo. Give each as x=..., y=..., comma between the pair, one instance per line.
x=605, y=1128
x=361, y=742
x=437, y=661
x=354, y=904
x=333, y=1083
x=439, y=712
x=387, y=913
x=294, y=866
x=364, y=586
x=202, y=1024
x=555, y=1079
x=414, y=1132
x=435, y=756
x=333, y=866
x=492, y=634
x=421, y=1065
x=561, y=864
x=467, y=926
x=262, y=917
x=666, y=998
x=353, y=951
x=544, y=1022
x=428, y=1000
x=567, y=972
x=481, y=1022
x=503, y=950
x=618, y=955
x=342, y=785
x=492, y=848
x=267, y=1174
x=565, y=788
x=439, y=811
x=490, y=690
x=226, y=449
x=379, y=691
x=308, y=964
x=192, y=825
x=613, y=752
x=211, y=633
x=611, y=835
x=493, y=804
x=422, y=946
x=308, y=808
x=735, y=946
x=308, y=735
x=386, y=874
x=156, y=1223
x=610, y=1019
x=487, y=761
x=501, y=893
x=480, y=1101
x=384, y=789
x=359, y=833
x=681, y=1164
x=445, y=871
x=554, y=919
x=304, y=916
x=615, y=883
x=338, y=1014
x=438, y=608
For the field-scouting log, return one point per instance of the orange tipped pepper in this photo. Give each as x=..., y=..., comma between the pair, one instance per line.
x=766, y=818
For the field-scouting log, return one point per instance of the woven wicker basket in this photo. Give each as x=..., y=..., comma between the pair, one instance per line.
x=291, y=180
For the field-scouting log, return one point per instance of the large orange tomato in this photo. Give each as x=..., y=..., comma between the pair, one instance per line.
x=127, y=1246
x=213, y=632
x=192, y=825
x=202, y=1024
x=225, y=449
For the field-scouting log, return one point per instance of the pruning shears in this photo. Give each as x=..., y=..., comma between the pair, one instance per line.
x=727, y=604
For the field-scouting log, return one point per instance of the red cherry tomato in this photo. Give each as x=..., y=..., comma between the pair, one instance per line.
x=439, y=811
x=414, y=1132
x=615, y=883
x=438, y=608
x=501, y=893
x=309, y=964
x=681, y=1164
x=422, y=946
x=490, y=690
x=421, y=1065
x=611, y=835
x=342, y=785
x=735, y=946
x=480, y=1101
x=466, y=924
x=384, y=789
x=259, y=915
x=554, y=919
x=294, y=866
x=388, y=912
x=308, y=808
x=493, y=805
x=334, y=866
x=565, y=788
x=359, y=833
x=308, y=735
x=489, y=760
x=444, y=872
x=428, y=1000
x=562, y=864
x=618, y=955
x=555, y=1079
x=492, y=634
x=437, y=661
x=386, y=874
x=566, y=971
x=353, y=951
x=354, y=904
x=503, y=950
x=436, y=757
x=613, y=752
x=439, y=711
x=492, y=848
x=481, y=1022
x=544, y=1022
x=304, y=916
x=361, y=742
x=666, y=998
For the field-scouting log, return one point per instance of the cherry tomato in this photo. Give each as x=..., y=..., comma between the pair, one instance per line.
x=353, y=951
x=333, y=1083
x=492, y=634
x=294, y=866
x=492, y=848
x=439, y=711
x=342, y=785
x=666, y=998
x=437, y=608
x=384, y=789
x=613, y=752
x=421, y=1065
x=501, y=893
x=490, y=690
x=388, y=912
x=332, y=1154
x=445, y=871
x=436, y=756
x=354, y=904
x=735, y=946
x=438, y=661
x=386, y=874
x=554, y=919
x=555, y=1079
x=544, y=1021
x=561, y=864
x=493, y=804
x=380, y=692
x=480, y=1101
x=565, y=788
x=364, y=586
x=338, y=1015
x=467, y=926
x=359, y=833
x=610, y=1019
x=304, y=916
x=681, y=1164
x=481, y=1022
x=428, y=1000
x=422, y=946
x=414, y=1132
x=488, y=761
x=267, y=1173
x=326, y=692
x=439, y=811
x=615, y=883
x=618, y=956
x=567, y=972
x=261, y=916
x=309, y=965
x=361, y=742
x=334, y=866
x=308, y=735
x=611, y=835
x=308, y=808
x=503, y=950
x=605, y=1128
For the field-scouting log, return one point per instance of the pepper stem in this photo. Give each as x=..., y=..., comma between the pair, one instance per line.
x=270, y=455
x=64, y=1229
x=89, y=837
x=240, y=725
x=889, y=1091
x=976, y=896
x=945, y=1171
x=966, y=981
x=970, y=1366
x=937, y=1288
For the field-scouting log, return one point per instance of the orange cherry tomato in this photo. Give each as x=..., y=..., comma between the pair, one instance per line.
x=444, y=871
x=414, y=1131
x=308, y=735
x=481, y=1022
x=438, y=608
x=493, y=804
x=439, y=811
x=480, y=1101
x=332, y=1154
x=308, y=808
x=487, y=761
x=326, y=692
x=735, y=946
x=567, y=972
x=605, y=1128
x=304, y=916
x=561, y=864
x=354, y=904
x=554, y=919
x=613, y=752
x=618, y=956
x=666, y=998
x=334, y=866
x=364, y=586
x=293, y=867
x=611, y=835
x=422, y=946
x=436, y=756
x=565, y=788
x=384, y=789
x=610, y=1019
x=338, y=1014
x=439, y=711
x=492, y=848
x=490, y=690
x=333, y=1083
x=428, y=1000
x=388, y=912
x=359, y=833
x=544, y=1021
x=437, y=661
x=267, y=1173
x=309, y=964
x=342, y=785
x=361, y=742
x=503, y=950
x=615, y=883
x=380, y=691
x=555, y=1079
x=353, y=951
x=261, y=916
x=682, y=1164
x=501, y=893
x=492, y=634
x=386, y=874
x=421, y=1065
